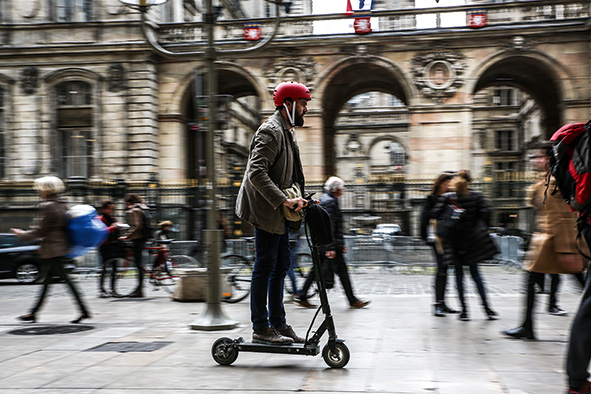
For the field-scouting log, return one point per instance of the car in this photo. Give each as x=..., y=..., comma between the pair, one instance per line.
x=19, y=259
x=386, y=230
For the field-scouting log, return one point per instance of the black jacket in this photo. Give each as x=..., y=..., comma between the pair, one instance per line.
x=426, y=214
x=331, y=204
x=476, y=244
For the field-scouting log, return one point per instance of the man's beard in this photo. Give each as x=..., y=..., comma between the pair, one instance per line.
x=299, y=120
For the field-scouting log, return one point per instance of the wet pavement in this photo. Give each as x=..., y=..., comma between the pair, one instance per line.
x=146, y=345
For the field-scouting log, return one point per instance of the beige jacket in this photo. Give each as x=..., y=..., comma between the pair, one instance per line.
x=555, y=234
x=50, y=227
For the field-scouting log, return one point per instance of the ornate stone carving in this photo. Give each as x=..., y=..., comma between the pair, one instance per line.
x=519, y=43
x=439, y=74
x=116, y=78
x=29, y=79
x=291, y=68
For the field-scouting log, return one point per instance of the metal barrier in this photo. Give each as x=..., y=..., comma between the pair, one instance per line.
x=512, y=253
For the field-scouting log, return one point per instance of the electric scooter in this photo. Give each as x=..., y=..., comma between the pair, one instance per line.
x=335, y=353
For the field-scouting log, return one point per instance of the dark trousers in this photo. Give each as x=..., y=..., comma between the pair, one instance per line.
x=55, y=268
x=138, y=251
x=330, y=267
x=579, y=348
x=440, y=277
x=268, y=276
x=532, y=279
x=109, y=253
x=477, y=280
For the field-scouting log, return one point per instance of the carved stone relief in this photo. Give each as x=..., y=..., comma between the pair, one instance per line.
x=439, y=74
x=116, y=78
x=29, y=79
x=291, y=68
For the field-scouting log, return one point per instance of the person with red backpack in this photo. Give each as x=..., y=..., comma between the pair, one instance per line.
x=571, y=167
x=553, y=244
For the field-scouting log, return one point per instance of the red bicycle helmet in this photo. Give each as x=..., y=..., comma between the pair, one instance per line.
x=292, y=90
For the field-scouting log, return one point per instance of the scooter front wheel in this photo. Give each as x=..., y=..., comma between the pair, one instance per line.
x=224, y=352
x=337, y=358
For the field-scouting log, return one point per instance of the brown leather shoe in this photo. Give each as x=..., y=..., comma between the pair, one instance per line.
x=360, y=304
x=305, y=303
x=290, y=333
x=270, y=335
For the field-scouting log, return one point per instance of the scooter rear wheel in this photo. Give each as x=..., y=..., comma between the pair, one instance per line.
x=337, y=358
x=223, y=351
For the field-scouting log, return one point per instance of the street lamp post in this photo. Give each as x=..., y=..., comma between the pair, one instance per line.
x=214, y=318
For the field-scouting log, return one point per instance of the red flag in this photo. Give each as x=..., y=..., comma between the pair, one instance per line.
x=349, y=8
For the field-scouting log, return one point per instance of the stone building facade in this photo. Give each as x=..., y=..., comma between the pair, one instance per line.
x=83, y=94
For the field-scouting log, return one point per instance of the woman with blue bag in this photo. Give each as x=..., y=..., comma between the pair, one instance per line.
x=50, y=226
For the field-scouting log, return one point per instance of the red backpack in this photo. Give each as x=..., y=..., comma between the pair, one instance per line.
x=571, y=164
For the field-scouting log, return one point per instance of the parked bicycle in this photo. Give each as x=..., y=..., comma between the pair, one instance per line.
x=162, y=268
x=239, y=271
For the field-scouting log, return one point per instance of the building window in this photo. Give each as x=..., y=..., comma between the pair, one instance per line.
x=74, y=124
x=507, y=184
x=74, y=10
x=504, y=140
x=504, y=97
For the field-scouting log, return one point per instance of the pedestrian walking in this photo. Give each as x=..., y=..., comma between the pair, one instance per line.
x=333, y=260
x=440, y=187
x=474, y=243
x=553, y=245
x=273, y=166
x=109, y=250
x=138, y=220
x=50, y=228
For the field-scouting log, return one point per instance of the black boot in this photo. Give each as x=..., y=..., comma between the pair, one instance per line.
x=492, y=315
x=439, y=311
x=464, y=315
x=520, y=333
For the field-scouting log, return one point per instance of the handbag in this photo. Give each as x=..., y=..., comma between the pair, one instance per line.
x=289, y=214
x=449, y=224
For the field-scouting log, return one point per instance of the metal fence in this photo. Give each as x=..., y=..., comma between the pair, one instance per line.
x=387, y=199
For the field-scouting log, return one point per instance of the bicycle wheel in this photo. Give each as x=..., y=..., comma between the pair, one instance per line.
x=164, y=280
x=125, y=279
x=184, y=261
x=303, y=265
x=236, y=286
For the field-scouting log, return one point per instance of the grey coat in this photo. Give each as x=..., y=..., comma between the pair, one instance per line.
x=273, y=164
x=50, y=227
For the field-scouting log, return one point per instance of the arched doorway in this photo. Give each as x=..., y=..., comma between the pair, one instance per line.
x=349, y=80
x=238, y=117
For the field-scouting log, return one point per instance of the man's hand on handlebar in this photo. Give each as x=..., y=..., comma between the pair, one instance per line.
x=296, y=203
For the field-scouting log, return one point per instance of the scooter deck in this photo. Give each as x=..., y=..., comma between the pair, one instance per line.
x=292, y=348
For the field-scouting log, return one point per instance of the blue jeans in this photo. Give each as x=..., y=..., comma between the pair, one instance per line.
x=268, y=276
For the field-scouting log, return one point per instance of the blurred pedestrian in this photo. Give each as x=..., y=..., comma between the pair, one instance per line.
x=440, y=187
x=295, y=242
x=553, y=245
x=137, y=220
x=109, y=250
x=474, y=244
x=273, y=166
x=50, y=227
x=333, y=260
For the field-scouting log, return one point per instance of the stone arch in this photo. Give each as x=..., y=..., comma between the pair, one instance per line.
x=386, y=138
x=349, y=77
x=232, y=80
x=542, y=77
x=70, y=74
